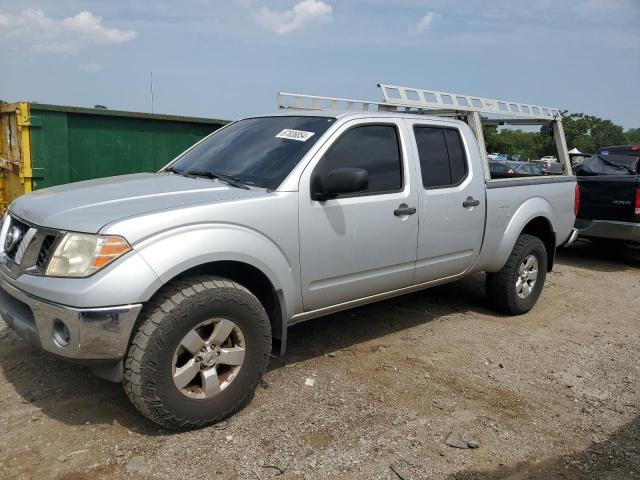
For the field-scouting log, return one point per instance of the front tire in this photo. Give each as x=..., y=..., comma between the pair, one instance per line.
x=515, y=289
x=200, y=350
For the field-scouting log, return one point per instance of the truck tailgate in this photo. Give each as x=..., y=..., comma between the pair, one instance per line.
x=608, y=197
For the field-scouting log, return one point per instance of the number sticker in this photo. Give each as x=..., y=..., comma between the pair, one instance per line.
x=299, y=135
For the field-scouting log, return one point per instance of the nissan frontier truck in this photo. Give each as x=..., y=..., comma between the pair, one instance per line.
x=181, y=284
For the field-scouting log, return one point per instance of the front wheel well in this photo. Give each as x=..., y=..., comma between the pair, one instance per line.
x=541, y=227
x=254, y=280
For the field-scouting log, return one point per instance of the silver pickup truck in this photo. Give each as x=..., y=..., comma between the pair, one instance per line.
x=180, y=284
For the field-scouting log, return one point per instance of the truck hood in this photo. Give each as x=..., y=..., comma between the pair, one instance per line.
x=90, y=205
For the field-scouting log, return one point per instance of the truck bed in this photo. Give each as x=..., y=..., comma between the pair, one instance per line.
x=510, y=200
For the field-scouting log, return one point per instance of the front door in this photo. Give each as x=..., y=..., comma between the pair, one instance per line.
x=452, y=201
x=359, y=244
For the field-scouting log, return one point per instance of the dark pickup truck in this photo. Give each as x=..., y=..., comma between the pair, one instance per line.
x=609, y=186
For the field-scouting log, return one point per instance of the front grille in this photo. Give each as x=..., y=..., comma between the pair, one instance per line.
x=26, y=248
x=45, y=252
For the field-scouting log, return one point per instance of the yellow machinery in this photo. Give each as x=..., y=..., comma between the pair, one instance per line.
x=15, y=152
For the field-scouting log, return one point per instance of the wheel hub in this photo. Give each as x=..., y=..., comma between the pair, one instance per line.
x=208, y=358
x=527, y=276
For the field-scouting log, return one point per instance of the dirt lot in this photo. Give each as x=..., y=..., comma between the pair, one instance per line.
x=552, y=394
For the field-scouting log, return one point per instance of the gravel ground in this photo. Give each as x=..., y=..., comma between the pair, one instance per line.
x=551, y=394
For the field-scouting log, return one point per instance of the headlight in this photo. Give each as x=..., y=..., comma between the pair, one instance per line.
x=81, y=254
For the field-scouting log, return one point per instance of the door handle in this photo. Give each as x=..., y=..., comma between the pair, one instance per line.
x=403, y=210
x=470, y=202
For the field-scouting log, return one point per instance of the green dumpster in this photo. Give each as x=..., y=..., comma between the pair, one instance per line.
x=45, y=145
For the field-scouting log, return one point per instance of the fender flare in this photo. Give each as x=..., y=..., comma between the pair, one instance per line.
x=200, y=244
x=531, y=209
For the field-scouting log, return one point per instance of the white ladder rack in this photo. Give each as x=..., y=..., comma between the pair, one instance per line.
x=417, y=100
x=299, y=101
x=434, y=100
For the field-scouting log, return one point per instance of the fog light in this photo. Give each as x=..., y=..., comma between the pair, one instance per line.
x=61, y=334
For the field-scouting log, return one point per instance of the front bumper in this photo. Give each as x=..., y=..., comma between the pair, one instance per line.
x=608, y=229
x=93, y=333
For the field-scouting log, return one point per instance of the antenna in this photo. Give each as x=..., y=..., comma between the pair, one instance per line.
x=151, y=91
x=153, y=133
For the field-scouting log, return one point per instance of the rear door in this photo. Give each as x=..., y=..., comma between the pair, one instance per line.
x=452, y=202
x=359, y=244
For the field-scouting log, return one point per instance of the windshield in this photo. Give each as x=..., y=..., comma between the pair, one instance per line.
x=259, y=152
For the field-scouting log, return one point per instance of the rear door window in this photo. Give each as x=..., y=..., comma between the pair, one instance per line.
x=443, y=161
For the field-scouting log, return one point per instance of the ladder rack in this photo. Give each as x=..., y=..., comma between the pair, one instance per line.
x=313, y=102
x=417, y=100
x=431, y=99
x=432, y=102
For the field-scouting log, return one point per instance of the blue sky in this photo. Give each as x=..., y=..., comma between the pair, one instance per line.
x=228, y=58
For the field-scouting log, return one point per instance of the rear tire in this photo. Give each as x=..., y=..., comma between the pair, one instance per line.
x=200, y=350
x=515, y=289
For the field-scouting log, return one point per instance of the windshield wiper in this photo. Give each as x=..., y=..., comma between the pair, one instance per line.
x=233, y=181
x=173, y=170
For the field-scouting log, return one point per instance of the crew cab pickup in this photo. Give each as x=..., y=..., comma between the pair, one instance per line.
x=609, y=182
x=180, y=284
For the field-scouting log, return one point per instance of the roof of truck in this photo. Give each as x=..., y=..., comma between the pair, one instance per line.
x=342, y=114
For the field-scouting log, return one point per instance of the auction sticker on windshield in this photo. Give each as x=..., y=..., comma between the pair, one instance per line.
x=299, y=135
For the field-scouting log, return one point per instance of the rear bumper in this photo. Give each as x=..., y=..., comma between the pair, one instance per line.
x=608, y=229
x=93, y=333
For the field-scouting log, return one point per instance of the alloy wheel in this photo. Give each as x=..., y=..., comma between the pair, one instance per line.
x=527, y=276
x=208, y=358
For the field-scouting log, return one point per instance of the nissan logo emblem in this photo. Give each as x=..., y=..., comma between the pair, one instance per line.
x=14, y=235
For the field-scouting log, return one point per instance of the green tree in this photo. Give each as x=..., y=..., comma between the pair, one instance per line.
x=584, y=132
x=632, y=136
x=529, y=145
x=588, y=133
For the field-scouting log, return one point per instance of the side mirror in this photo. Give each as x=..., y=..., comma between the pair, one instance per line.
x=339, y=181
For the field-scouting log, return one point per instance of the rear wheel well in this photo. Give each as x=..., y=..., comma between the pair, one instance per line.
x=541, y=227
x=257, y=283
